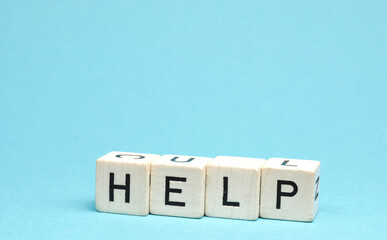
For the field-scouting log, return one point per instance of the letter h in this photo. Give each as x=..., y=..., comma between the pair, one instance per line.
x=125, y=187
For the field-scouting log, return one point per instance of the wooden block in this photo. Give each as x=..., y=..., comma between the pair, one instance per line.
x=122, y=183
x=178, y=186
x=289, y=189
x=233, y=187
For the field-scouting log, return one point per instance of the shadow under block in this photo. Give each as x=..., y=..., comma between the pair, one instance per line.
x=178, y=186
x=233, y=187
x=122, y=183
x=290, y=189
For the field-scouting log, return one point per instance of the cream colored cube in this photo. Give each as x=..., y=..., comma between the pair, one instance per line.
x=290, y=189
x=233, y=187
x=122, y=183
x=178, y=186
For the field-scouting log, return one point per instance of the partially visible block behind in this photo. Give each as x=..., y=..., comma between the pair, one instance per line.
x=122, y=183
x=290, y=189
x=233, y=187
x=178, y=186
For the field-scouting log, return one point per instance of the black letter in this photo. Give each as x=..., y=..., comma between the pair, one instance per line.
x=130, y=155
x=317, y=182
x=286, y=162
x=174, y=159
x=225, y=193
x=285, y=194
x=174, y=190
x=125, y=187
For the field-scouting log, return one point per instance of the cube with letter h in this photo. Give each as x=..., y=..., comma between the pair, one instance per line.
x=178, y=186
x=290, y=189
x=122, y=183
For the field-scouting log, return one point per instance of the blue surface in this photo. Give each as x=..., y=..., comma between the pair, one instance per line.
x=257, y=79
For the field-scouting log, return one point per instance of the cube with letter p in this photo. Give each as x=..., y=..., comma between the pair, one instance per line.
x=290, y=189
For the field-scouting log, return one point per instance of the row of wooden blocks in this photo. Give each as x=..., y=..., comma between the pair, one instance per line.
x=227, y=187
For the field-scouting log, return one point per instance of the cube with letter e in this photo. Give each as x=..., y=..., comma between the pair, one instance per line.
x=178, y=186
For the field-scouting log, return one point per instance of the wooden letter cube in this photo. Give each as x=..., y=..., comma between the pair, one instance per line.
x=178, y=186
x=290, y=189
x=233, y=187
x=122, y=183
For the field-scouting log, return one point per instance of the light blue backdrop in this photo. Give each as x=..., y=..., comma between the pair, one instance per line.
x=295, y=79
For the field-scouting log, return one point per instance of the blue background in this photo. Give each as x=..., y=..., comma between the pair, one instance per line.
x=260, y=79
